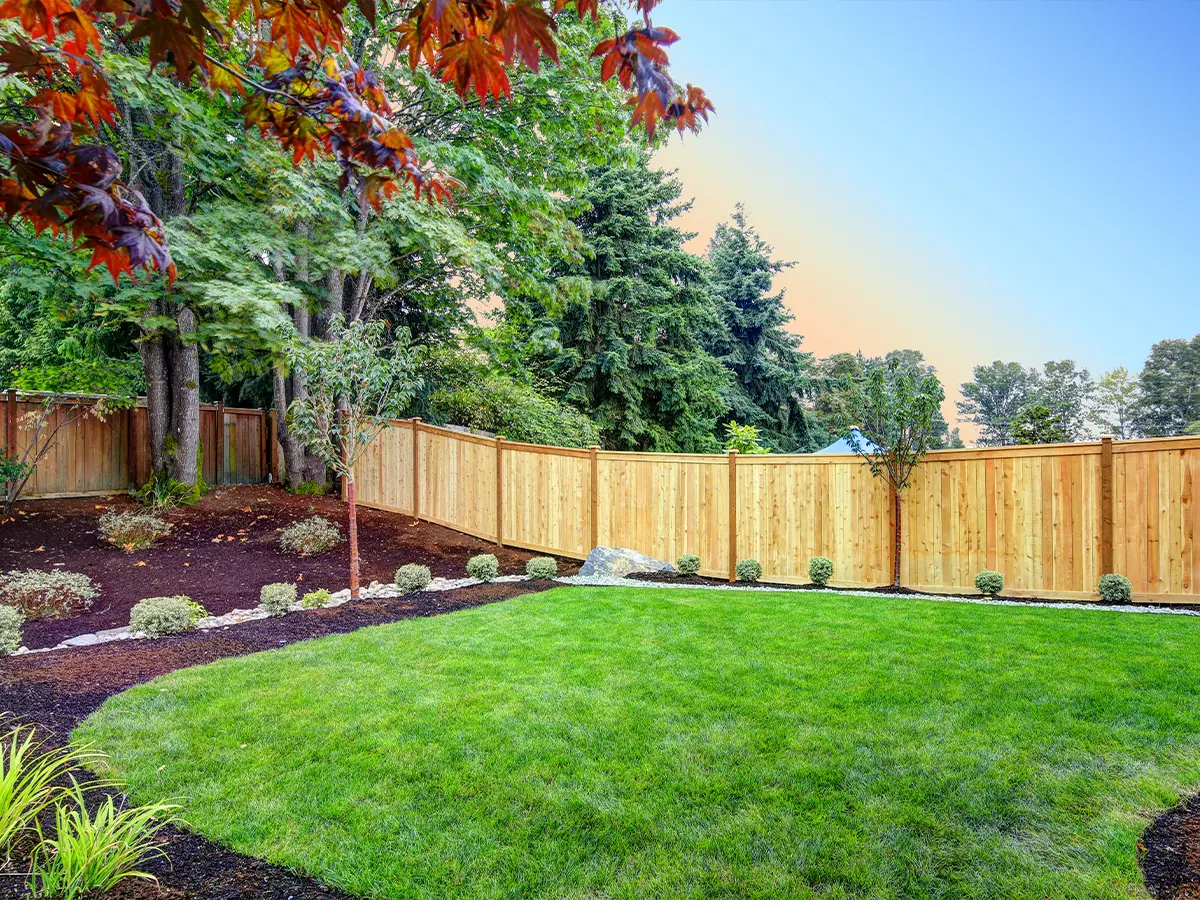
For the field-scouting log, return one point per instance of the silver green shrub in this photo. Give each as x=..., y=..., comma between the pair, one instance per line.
x=158, y=616
x=47, y=595
x=820, y=570
x=688, y=564
x=485, y=567
x=277, y=598
x=989, y=582
x=542, y=567
x=413, y=577
x=11, y=620
x=309, y=537
x=132, y=530
x=1115, y=589
x=748, y=570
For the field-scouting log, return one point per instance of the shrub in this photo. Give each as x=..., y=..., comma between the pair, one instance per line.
x=989, y=582
x=316, y=599
x=485, y=567
x=413, y=577
x=820, y=570
x=11, y=620
x=277, y=598
x=47, y=595
x=310, y=489
x=1115, y=589
x=748, y=570
x=159, y=616
x=542, y=567
x=688, y=564
x=196, y=612
x=132, y=530
x=310, y=536
x=162, y=492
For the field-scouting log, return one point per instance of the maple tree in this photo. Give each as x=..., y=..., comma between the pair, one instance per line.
x=302, y=87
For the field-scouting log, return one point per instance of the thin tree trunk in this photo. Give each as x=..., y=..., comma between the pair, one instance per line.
x=899, y=542
x=353, y=537
x=185, y=401
x=158, y=390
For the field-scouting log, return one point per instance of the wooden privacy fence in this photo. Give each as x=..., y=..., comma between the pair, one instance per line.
x=94, y=457
x=1051, y=518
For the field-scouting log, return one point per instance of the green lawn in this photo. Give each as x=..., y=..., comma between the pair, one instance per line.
x=653, y=743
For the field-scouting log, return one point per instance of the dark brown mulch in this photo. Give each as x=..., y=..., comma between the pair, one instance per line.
x=220, y=552
x=1170, y=853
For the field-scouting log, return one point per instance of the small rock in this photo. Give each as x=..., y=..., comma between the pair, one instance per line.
x=83, y=640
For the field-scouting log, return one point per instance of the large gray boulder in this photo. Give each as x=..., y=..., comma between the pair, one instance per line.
x=617, y=562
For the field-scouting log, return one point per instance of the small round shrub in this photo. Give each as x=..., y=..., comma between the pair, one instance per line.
x=542, y=567
x=1115, y=589
x=748, y=570
x=47, y=595
x=132, y=530
x=688, y=564
x=413, y=577
x=11, y=620
x=196, y=612
x=310, y=536
x=485, y=567
x=277, y=598
x=820, y=570
x=316, y=599
x=158, y=616
x=989, y=582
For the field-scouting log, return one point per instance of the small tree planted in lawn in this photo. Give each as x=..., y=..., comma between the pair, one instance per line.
x=895, y=408
x=357, y=382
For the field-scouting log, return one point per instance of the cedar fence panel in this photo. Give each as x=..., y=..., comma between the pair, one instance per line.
x=1051, y=518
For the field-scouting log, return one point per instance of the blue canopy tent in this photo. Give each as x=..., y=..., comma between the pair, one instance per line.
x=842, y=445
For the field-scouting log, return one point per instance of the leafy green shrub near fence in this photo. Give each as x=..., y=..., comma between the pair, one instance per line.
x=132, y=530
x=820, y=570
x=989, y=582
x=542, y=567
x=277, y=598
x=413, y=577
x=316, y=599
x=688, y=564
x=484, y=566
x=748, y=570
x=47, y=595
x=1115, y=589
x=309, y=537
x=11, y=620
x=160, y=616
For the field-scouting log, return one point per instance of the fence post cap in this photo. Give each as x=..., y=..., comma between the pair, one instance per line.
x=1106, y=437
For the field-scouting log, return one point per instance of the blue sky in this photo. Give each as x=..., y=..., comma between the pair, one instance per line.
x=979, y=179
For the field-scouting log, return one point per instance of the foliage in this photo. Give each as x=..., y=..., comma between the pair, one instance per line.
x=310, y=536
x=162, y=492
x=989, y=582
x=542, y=567
x=1118, y=400
x=11, y=620
x=1037, y=424
x=771, y=375
x=196, y=612
x=1115, y=589
x=483, y=566
x=132, y=530
x=1170, y=388
x=1066, y=391
x=310, y=489
x=820, y=570
x=316, y=599
x=688, y=564
x=994, y=398
x=743, y=439
x=160, y=616
x=413, y=577
x=277, y=598
x=53, y=594
x=748, y=570
x=94, y=851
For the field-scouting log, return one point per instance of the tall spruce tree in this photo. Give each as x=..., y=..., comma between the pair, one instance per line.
x=770, y=372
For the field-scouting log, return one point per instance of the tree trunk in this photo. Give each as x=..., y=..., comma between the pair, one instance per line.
x=353, y=537
x=158, y=390
x=185, y=401
x=899, y=541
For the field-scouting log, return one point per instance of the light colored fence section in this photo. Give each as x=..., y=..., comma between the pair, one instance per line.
x=1051, y=518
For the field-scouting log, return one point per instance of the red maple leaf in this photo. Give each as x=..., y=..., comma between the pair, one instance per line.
x=170, y=42
x=475, y=59
x=524, y=30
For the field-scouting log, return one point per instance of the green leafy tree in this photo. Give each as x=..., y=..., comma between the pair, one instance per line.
x=895, y=408
x=1038, y=424
x=1116, y=404
x=1170, y=388
x=357, y=382
x=771, y=375
x=743, y=439
x=1067, y=392
x=993, y=399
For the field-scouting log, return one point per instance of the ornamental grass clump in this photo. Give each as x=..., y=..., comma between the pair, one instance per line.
x=160, y=616
x=276, y=599
x=542, y=567
x=820, y=570
x=1115, y=589
x=484, y=566
x=316, y=599
x=47, y=595
x=688, y=564
x=132, y=530
x=413, y=577
x=989, y=583
x=748, y=570
x=309, y=537
x=11, y=620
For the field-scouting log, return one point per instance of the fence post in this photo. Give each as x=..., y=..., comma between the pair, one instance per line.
x=219, y=441
x=10, y=423
x=1106, y=504
x=263, y=436
x=416, y=475
x=733, y=515
x=131, y=443
x=272, y=447
x=594, y=523
x=499, y=490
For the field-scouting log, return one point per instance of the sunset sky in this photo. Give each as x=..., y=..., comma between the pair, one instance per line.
x=977, y=179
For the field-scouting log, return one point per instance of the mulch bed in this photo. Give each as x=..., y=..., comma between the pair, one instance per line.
x=1170, y=853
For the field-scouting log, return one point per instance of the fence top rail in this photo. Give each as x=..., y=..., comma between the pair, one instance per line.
x=134, y=402
x=520, y=447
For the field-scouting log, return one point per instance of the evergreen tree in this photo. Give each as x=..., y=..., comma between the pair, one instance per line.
x=770, y=373
x=1170, y=396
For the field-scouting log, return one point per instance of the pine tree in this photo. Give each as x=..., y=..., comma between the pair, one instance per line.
x=770, y=372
